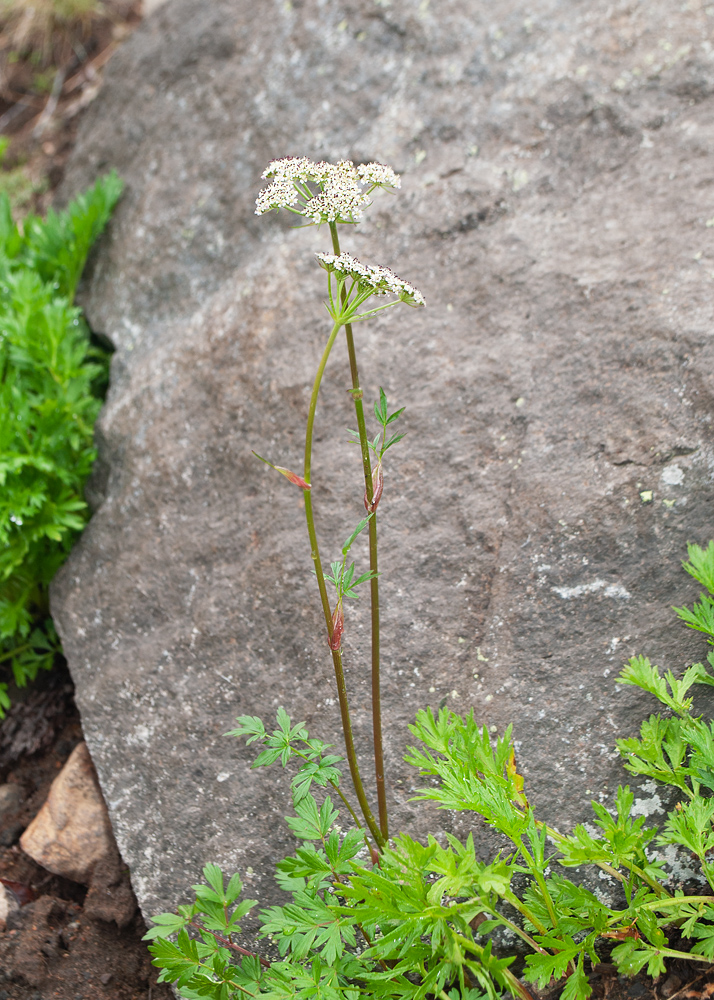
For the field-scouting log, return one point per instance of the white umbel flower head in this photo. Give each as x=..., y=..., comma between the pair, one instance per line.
x=280, y=194
x=289, y=168
x=339, y=196
x=380, y=280
x=378, y=175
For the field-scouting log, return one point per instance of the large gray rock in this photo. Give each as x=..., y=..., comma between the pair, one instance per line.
x=556, y=210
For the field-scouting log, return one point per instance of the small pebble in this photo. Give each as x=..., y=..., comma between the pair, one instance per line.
x=670, y=986
x=104, y=978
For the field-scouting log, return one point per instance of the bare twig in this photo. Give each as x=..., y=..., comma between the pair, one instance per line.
x=88, y=70
x=686, y=987
x=51, y=105
x=12, y=113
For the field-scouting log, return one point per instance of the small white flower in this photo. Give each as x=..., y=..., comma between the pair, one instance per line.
x=341, y=198
x=378, y=174
x=280, y=194
x=371, y=276
x=290, y=168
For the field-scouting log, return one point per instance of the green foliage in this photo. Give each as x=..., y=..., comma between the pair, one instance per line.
x=417, y=922
x=48, y=376
x=381, y=442
x=287, y=743
x=343, y=576
x=16, y=182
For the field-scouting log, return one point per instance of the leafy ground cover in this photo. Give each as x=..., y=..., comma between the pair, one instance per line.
x=414, y=920
x=51, y=382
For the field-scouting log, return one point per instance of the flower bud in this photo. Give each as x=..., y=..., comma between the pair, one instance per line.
x=377, y=487
x=292, y=476
x=338, y=626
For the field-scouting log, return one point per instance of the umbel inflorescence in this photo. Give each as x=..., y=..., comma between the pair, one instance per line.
x=370, y=278
x=337, y=193
x=323, y=192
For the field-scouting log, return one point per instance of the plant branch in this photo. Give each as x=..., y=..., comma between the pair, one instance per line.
x=227, y=943
x=514, y=984
x=315, y=553
x=373, y=565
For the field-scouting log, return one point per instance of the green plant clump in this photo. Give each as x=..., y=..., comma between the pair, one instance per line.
x=417, y=922
x=372, y=916
x=50, y=380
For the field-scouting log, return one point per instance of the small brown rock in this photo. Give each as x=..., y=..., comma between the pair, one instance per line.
x=8, y=905
x=670, y=985
x=71, y=832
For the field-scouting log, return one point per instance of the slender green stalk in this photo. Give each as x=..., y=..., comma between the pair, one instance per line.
x=516, y=930
x=15, y=652
x=525, y=911
x=535, y=872
x=514, y=984
x=373, y=565
x=659, y=904
x=315, y=553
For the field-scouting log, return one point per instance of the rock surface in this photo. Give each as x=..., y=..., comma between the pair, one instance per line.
x=10, y=800
x=71, y=833
x=8, y=906
x=556, y=210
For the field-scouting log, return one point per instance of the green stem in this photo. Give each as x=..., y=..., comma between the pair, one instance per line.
x=686, y=955
x=15, y=652
x=516, y=903
x=514, y=984
x=373, y=565
x=535, y=872
x=516, y=930
x=315, y=553
x=659, y=904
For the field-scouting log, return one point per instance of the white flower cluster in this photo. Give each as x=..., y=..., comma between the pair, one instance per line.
x=280, y=194
x=340, y=198
x=378, y=175
x=371, y=276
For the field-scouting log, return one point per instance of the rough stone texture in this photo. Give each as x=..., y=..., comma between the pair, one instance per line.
x=10, y=800
x=556, y=210
x=8, y=906
x=71, y=833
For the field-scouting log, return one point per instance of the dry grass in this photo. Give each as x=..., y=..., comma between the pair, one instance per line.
x=49, y=30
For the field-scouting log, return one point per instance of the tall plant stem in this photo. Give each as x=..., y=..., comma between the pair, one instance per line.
x=374, y=582
x=315, y=553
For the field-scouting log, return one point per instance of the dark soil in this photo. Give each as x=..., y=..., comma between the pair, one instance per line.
x=53, y=948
